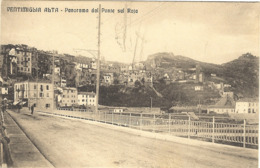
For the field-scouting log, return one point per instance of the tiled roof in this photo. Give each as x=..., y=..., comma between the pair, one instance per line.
x=224, y=102
x=86, y=93
x=248, y=100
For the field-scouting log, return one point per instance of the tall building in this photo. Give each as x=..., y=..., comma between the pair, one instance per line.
x=38, y=93
x=69, y=96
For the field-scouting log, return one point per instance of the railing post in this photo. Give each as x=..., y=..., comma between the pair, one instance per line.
x=105, y=117
x=169, y=122
x=213, y=129
x=112, y=118
x=153, y=122
x=141, y=121
x=120, y=119
x=189, y=128
x=130, y=120
x=244, y=134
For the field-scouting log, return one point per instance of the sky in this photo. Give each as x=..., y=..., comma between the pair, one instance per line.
x=209, y=31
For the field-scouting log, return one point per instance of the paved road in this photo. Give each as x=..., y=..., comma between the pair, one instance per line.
x=73, y=143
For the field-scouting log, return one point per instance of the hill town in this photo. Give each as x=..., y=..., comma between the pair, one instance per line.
x=174, y=83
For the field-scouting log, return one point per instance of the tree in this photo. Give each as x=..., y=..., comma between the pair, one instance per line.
x=143, y=81
x=137, y=83
x=116, y=81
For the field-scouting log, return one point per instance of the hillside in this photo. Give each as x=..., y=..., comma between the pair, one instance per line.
x=243, y=75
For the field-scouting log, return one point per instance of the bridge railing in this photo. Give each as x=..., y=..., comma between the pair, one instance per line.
x=183, y=126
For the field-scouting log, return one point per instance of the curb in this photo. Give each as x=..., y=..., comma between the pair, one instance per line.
x=26, y=136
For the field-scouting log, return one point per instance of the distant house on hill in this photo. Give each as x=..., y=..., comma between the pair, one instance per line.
x=224, y=105
x=198, y=88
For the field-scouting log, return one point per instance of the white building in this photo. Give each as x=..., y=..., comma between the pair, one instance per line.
x=81, y=65
x=118, y=110
x=4, y=90
x=93, y=64
x=247, y=106
x=87, y=98
x=108, y=78
x=198, y=88
x=63, y=82
x=57, y=70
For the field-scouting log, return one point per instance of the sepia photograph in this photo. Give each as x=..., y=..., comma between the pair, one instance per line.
x=129, y=84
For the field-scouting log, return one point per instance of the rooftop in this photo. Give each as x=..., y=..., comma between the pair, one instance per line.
x=87, y=93
x=224, y=102
x=248, y=100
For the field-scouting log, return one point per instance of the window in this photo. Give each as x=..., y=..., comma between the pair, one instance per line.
x=47, y=87
x=63, y=96
x=41, y=87
x=47, y=105
x=41, y=94
x=35, y=86
x=83, y=100
x=47, y=94
x=28, y=59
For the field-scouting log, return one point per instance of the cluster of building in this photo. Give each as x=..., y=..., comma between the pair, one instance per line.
x=44, y=95
x=24, y=60
x=227, y=105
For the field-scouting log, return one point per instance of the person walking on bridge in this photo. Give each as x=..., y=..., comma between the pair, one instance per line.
x=32, y=108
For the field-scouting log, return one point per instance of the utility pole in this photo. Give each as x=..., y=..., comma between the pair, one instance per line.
x=37, y=70
x=28, y=93
x=125, y=26
x=53, y=69
x=151, y=103
x=98, y=59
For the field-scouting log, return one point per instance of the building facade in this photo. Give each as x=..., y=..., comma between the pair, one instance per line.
x=87, y=98
x=69, y=97
x=38, y=93
x=224, y=105
x=247, y=106
x=4, y=90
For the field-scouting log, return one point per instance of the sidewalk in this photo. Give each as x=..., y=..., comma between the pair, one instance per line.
x=23, y=151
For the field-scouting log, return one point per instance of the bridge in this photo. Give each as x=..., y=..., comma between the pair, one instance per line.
x=74, y=142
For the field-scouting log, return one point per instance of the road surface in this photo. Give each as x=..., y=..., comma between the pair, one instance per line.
x=74, y=143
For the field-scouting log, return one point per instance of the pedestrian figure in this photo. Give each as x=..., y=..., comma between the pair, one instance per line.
x=32, y=108
x=4, y=105
x=19, y=107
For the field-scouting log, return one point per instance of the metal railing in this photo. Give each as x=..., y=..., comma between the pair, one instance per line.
x=182, y=126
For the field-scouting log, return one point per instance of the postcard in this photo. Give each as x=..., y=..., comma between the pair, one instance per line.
x=129, y=84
